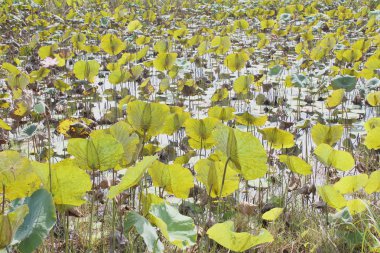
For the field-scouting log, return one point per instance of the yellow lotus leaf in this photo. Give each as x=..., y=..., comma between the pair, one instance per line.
x=9, y=224
x=124, y=134
x=134, y=25
x=174, y=178
x=75, y=127
x=210, y=174
x=296, y=164
x=119, y=76
x=242, y=84
x=86, y=70
x=236, y=61
x=17, y=175
x=356, y=206
x=278, y=138
x=335, y=99
x=221, y=113
x=132, y=176
x=147, y=119
x=338, y=159
x=272, y=214
x=99, y=152
x=162, y=46
x=243, y=151
x=225, y=235
x=4, y=125
x=350, y=184
x=241, y=24
x=331, y=196
x=373, y=184
x=372, y=123
x=164, y=61
x=372, y=140
x=200, y=132
x=69, y=184
x=326, y=134
x=248, y=119
x=374, y=98
x=175, y=120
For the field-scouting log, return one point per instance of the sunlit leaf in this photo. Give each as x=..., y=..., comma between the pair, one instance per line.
x=9, y=223
x=331, y=196
x=86, y=70
x=225, y=235
x=243, y=151
x=338, y=159
x=132, y=176
x=272, y=214
x=64, y=175
x=178, y=229
x=326, y=134
x=99, y=152
x=210, y=173
x=278, y=138
x=350, y=184
x=296, y=164
x=173, y=178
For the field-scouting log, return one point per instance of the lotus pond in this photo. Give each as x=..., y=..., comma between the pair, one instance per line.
x=189, y=126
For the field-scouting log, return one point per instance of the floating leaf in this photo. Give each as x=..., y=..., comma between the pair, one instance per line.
x=178, y=229
x=224, y=234
x=345, y=82
x=296, y=164
x=338, y=159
